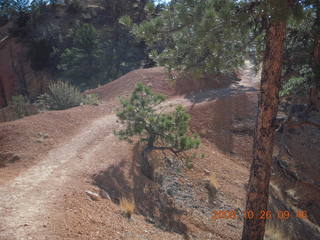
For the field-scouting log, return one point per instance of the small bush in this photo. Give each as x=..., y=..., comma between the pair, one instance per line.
x=189, y=164
x=159, y=130
x=20, y=105
x=189, y=160
x=43, y=102
x=63, y=95
x=91, y=99
x=127, y=207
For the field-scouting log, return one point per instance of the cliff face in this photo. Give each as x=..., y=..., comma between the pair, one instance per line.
x=16, y=74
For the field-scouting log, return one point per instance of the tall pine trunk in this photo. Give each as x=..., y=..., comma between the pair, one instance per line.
x=315, y=90
x=260, y=172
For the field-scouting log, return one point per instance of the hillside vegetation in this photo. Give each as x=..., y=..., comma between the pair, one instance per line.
x=81, y=42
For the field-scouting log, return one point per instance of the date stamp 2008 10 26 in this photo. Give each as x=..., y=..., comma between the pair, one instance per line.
x=262, y=215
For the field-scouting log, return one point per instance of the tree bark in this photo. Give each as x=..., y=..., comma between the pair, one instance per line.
x=260, y=172
x=315, y=90
x=146, y=167
x=3, y=95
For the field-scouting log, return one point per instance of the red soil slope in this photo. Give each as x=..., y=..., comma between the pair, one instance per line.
x=156, y=78
x=53, y=157
x=58, y=151
x=18, y=137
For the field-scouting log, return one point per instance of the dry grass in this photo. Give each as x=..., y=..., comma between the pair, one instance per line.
x=212, y=187
x=213, y=182
x=273, y=233
x=127, y=207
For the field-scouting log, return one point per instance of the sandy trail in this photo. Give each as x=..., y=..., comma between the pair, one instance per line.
x=27, y=200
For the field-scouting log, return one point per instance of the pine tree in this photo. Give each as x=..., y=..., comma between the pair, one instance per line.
x=160, y=131
x=302, y=54
x=260, y=171
x=81, y=63
x=315, y=90
x=212, y=36
x=197, y=36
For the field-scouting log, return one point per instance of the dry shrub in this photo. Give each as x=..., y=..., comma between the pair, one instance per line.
x=274, y=233
x=212, y=188
x=63, y=95
x=213, y=182
x=127, y=207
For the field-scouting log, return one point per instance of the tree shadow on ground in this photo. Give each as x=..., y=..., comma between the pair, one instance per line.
x=125, y=180
x=227, y=112
x=209, y=95
x=190, y=82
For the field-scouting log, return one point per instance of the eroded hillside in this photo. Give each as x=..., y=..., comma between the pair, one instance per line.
x=51, y=161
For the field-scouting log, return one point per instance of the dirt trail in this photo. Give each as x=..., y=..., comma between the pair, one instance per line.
x=27, y=200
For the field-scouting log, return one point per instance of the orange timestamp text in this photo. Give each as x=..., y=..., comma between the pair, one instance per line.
x=262, y=215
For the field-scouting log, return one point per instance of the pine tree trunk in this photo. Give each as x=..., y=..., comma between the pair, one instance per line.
x=146, y=167
x=315, y=90
x=3, y=95
x=258, y=192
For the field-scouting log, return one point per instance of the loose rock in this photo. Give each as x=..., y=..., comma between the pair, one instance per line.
x=104, y=194
x=93, y=196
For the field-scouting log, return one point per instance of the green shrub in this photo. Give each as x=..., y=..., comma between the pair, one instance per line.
x=20, y=105
x=63, y=95
x=189, y=163
x=43, y=102
x=141, y=117
x=91, y=99
x=160, y=131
